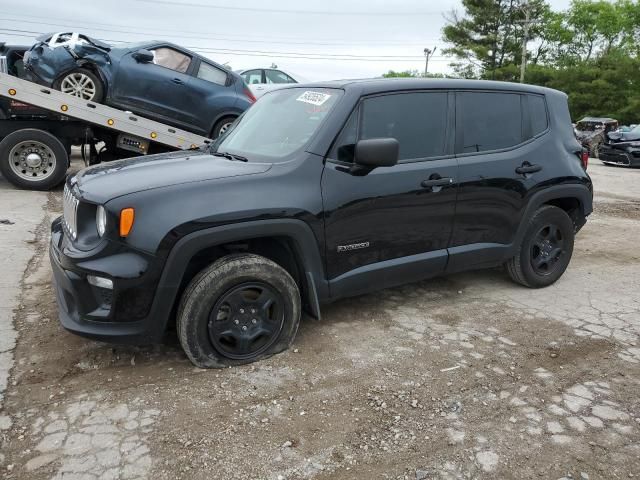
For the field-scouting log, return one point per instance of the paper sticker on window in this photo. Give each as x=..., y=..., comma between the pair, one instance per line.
x=314, y=98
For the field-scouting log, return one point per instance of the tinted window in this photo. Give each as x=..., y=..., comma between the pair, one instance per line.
x=252, y=77
x=172, y=59
x=276, y=76
x=538, y=111
x=489, y=121
x=212, y=74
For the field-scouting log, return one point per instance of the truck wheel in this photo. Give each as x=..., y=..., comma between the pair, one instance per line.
x=81, y=83
x=222, y=126
x=545, y=250
x=33, y=159
x=240, y=309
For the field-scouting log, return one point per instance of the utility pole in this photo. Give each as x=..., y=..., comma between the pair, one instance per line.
x=525, y=38
x=427, y=54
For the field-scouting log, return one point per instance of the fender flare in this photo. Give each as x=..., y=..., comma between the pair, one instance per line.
x=580, y=192
x=302, y=237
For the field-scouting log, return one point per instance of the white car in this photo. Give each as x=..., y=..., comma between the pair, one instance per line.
x=263, y=80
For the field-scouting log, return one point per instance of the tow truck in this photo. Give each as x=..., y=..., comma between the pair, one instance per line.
x=39, y=125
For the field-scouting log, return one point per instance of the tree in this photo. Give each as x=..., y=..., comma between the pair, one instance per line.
x=406, y=73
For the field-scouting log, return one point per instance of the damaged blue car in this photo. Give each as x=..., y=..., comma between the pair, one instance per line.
x=156, y=79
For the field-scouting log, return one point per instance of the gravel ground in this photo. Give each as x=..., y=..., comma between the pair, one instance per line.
x=468, y=376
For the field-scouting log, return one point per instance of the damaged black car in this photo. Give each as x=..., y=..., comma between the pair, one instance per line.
x=154, y=79
x=592, y=132
x=622, y=148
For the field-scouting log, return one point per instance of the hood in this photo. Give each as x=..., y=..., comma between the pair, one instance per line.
x=107, y=181
x=632, y=136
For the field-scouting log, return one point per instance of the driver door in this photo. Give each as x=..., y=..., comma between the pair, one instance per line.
x=158, y=89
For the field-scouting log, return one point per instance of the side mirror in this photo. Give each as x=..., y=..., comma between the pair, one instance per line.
x=377, y=152
x=143, y=56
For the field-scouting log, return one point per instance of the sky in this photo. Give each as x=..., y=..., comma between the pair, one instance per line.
x=332, y=39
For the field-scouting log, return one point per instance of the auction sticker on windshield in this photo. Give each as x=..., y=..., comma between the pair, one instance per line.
x=314, y=98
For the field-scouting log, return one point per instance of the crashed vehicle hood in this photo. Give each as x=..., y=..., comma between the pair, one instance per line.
x=621, y=137
x=104, y=182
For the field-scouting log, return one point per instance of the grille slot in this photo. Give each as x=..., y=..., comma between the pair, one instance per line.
x=70, y=212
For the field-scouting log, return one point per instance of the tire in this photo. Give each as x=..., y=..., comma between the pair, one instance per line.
x=219, y=308
x=221, y=126
x=33, y=159
x=527, y=267
x=81, y=83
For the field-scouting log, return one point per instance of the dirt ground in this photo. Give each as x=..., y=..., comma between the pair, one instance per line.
x=469, y=376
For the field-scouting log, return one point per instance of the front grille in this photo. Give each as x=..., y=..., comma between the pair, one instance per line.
x=70, y=212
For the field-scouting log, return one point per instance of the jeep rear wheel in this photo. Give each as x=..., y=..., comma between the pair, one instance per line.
x=545, y=250
x=239, y=310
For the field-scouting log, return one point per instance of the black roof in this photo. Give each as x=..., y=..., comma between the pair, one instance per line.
x=379, y=85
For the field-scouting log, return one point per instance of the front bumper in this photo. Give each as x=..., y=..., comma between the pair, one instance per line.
x=98, y=313
x=616, y=156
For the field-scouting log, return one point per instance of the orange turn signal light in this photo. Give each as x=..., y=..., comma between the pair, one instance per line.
x=12, y=91
x=127, y=215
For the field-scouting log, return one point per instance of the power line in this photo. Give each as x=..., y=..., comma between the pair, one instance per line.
x=204, y=35
x=291, y=12
x=266, y=53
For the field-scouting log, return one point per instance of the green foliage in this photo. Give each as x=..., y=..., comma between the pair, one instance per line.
x=591, y=51
x=406, y=73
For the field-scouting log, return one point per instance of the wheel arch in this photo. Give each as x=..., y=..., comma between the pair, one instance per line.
x=290, y=243
x=576, y=200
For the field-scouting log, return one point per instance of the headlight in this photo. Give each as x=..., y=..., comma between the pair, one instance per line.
x=101, y=220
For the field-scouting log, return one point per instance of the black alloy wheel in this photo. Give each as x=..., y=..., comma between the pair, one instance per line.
x=246, y=321
x=547, y=250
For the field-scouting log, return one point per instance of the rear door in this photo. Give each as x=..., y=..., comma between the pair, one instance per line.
x=391, y=225
x=211, y=95
x=497, y=138
x=158, y=89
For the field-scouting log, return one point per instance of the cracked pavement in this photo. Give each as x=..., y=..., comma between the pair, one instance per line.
x=468, y=376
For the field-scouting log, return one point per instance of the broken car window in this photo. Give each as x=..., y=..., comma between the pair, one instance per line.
x=172, y=59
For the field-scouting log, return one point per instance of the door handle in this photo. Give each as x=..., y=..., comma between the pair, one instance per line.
x=528, y=168
x=177, y=81
x=437, y=182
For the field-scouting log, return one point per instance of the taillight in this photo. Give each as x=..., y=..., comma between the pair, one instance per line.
x=584, y=157
x=250, y=95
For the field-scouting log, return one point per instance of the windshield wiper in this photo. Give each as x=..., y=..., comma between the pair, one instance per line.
x=230, y=156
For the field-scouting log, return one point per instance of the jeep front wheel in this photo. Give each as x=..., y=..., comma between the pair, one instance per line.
x=240, y=309
x=545, y=250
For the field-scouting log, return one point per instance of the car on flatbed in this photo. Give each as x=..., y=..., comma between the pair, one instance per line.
x=155, y=79
x=319, y=192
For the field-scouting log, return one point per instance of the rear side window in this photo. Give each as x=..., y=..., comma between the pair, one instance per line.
x=212, y=74
x=252, y=77
x=488, y=121
x=417, y=120
x=538, y=113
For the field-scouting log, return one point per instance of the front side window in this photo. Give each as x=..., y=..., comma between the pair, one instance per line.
x=417, y=120
x=279, y=124
x=212, y=74
x=489, y=121
x=171, y=59
x=252, y=77
x=276, y=76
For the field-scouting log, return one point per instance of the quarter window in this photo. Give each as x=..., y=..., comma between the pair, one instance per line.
x=212, y=74
x=489, y=121
x=417, y=120
x=171, y=59
x=538, y=111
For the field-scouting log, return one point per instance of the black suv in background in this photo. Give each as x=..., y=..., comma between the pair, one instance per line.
x=317, y=193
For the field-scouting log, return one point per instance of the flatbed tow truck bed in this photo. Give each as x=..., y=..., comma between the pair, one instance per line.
x=35, y=143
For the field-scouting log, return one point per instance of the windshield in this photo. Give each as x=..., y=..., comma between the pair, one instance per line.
x=279, y=124
x=636, y=129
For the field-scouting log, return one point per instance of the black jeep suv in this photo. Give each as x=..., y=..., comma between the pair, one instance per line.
x=317, y=193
